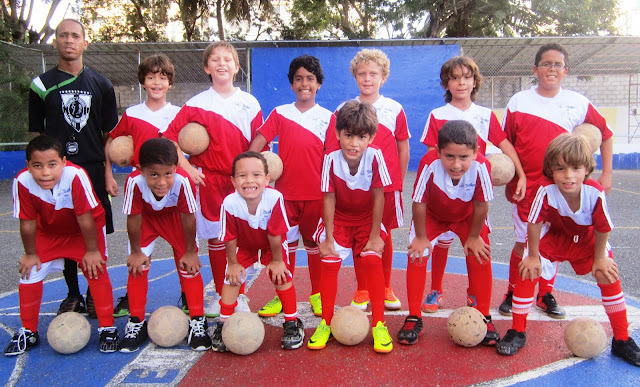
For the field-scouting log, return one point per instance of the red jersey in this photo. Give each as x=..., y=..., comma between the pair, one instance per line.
x=301, y=138
x=354, y=194
x=448, y=203
x=56, y=210
x=138, y=198
x=483, y=119
x=230, y=122
x=142, y=124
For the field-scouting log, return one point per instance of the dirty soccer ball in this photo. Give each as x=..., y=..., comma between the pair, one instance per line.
x=585, y=337
x=350, y=325
x=68, y=333
x=243, y=333
x=193, y=139
x=168, y=326
x=467, y=326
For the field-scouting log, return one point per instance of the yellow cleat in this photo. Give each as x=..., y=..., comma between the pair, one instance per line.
x=382, y=342
x=320, y=337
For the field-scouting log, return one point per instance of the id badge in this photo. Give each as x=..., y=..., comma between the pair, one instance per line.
x=72, y=148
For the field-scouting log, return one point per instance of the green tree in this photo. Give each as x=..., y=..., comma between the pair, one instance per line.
x=127, y=20
x=354, y=19
x=16, y=24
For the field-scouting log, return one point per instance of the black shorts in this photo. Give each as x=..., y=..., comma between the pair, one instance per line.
x=96, y=175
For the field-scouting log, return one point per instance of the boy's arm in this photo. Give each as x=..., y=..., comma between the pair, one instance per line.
x=110, y=183
x=474, y=244
x=601, y=262
x=606, y=154
x=375, y=243
x=258, y=143
x=420, y=247
x=92, y=261
x=137, y=260
x=507, y=148
x=30, y=258
x=531, y=267
x=196, y=176
x=326, y=247
x=403, y=155
x=189, y=262
x=235, y=271
x=276, y=268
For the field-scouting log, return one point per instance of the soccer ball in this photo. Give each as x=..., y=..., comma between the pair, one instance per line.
x=274, y=164
x=585, y=337
x=68, y=333
x=168, y=326
x=243, y=333
x=193, y=139
x=502, y=168
x=121, y=151
x=350, y=325
x=467, y=326
x=592, y=134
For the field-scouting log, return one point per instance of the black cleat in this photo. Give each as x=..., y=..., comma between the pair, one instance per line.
x=550, y=306
x=293, y=335
x=625, y=349
x=182, y=303
x=492, y=337
x=199, y=339
x=91, y=307
x=216, y=341
x=109, y=339
x=505, y=307
x=72, y=304
x=511, y=343
x=135, y=335
x=410, y=330
x=122, y=309
x=22, y=341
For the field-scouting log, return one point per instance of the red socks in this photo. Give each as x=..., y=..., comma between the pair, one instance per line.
x=387, y=260
x=361, y=274
x=137, y=290
x=289, y=307
x=30, y=298
x=226, y=310
x=315, y=267
x=438, y=265
x=193, y=289
x=102, y=297
x=416, y=278
x=523, y=300
x=292, y=256
x=375, y=281
x=480, y=283
x=329, y=286
x=218, y=261
x=514, y=273
x=616, y=308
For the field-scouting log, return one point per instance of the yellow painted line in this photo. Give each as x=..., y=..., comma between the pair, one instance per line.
x=6, y=213
x=625, y=191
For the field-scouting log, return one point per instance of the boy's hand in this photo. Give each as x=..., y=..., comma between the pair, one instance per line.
x=26, y=262
x=607, y=267
x=196, y=176
x=278, y=272
x=190, y=262
x=92, y=263
x=476, y=246
x=419, y=248
x=111, y=186
x=327, y=249
x=136, y=262
x=530, y=268
x=375, y=244
x=236, y=274
x=521, y=189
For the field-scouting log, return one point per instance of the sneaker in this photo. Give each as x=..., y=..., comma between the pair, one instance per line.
x=316, y=304
x=360, y=299
x=182, y=303
x=293, y=336
x=511, y=342
x=625, y=349
x=505, y=307
x=550, y=306
x=22, y=341
x=492, y=337
x=271, y=308
x=216, y=341
x=212, y=308
x=72, y=304
x=91, y=307
x=432, y=302
x=135, y=335
x=199, y=340
x=122, y=309
x=471, y=301
x=243, y=304
x=391, y=302
x=320, y=337
x=382, y=342
x=410, y=330
x=109, y=339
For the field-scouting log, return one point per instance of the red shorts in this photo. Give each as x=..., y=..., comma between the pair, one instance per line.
x=578, y=252
x=393, y=216
x=303, y=216
x=50, y=247
x=211, y=196
x=167, y=226
x=247, y=257
x=461, y=229
x=348, y=239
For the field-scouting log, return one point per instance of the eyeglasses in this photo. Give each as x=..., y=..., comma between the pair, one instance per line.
x=548, y=65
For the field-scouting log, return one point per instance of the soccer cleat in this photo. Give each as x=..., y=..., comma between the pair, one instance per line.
x=316, y=304
x=91, y=307
x=550, y=306
x=216, y=341
x=492, y=337
x=432, y=302
x=122, y=309
x=109, y=339
x=271, y=308
x=293, y=335
x=505, y=307
x=625, y=349
x=72, y=304
x=135, y=335
x=382, y=342
x=471, y=301
x=199, y=340
x=511, y=342
x=243, y=304
x=360, y=299
x=182, y=303
x=212, y=309
x=391, y=302
x=410, y=330
x=22, y=341
x=320, y=337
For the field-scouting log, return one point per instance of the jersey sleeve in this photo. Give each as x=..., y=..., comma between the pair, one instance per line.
x=23, y=206
x=496, y=134
x=37, y=111
x=327, y=184
x=256, y=123
x=184, y=116
x=278, y=224
x=601, y=218
x=133, y=201
x=109, y=108
x=187, y=201
x=422, y=177
x=508, y=123
x=228, y=227
x=430, y=135
x=402, y=127
x=381, y=177
x=484, y=187
x=539, y=207
x=84, y=200
x=270, y=128
x=123, y=127
x=595, y=118
x=330, y=139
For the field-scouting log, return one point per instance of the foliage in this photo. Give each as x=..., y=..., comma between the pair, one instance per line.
x=16, y=25
x=126, y=20
x=14, y=96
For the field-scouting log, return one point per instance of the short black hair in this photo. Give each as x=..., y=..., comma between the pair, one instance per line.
x=310, y=63
x=552, y=47
x=161, y=151
x=250, y=155
x=458, y=132
x=44, y=143
x=357, y=118
x=84, y=33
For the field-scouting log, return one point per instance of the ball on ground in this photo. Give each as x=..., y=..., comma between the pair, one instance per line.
x=274, y=163
x=585, y=337
x=592, y=134
x=243, y=333
x=193, y=139
x=68, y=333
x=502, y=168
x=350, y=325
x=168, y=326
x=121, y=151
x=467, y=326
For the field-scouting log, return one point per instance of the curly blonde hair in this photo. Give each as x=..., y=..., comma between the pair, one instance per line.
x=371, y=55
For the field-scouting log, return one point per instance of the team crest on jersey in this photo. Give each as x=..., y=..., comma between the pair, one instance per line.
x=76, y=105
x=265, y=215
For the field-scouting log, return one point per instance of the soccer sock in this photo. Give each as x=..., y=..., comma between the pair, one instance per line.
x=289, y=307
x=226, y=310
x=375, y=280
x=30, y=296
x=102, y=297
x=315, y=267
x=438, y=265
x=329, y=286
x=387, y=260
x=616, y=308
x=416, y=278
x=546, y=286
x=361, y=274
x=292, y=256
x=194, y=290
x=514, y=273
x=522, y=301
x=71, y=277
x=218, y=261
x=137, y=290
x=480, y=282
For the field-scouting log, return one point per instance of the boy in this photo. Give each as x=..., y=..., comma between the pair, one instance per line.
x=254, y=228
x=60, y=217
x=569, y=221
x=301, y=128
x=353, y=180
x=461, y=79
x=533, y=118
x=231, y=117
x=142, y=122
x=159, y=202
x=451, y=193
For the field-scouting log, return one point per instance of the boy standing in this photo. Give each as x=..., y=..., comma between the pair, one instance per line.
x=60, y=217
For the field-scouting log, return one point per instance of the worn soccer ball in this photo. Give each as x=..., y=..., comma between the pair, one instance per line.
x=121, y=151
x=592, y=134
x=350, y=325
x=168, y=326
x=193, y=139
x=502, y=168
x=274, y=163
x=467, y=326
x=68, y=333
x=243, y=333
x=585, y=337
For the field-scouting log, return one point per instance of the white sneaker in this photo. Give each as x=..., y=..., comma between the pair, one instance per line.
x=243, y=304
x=212, y=305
